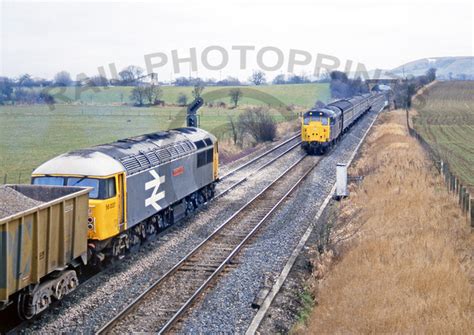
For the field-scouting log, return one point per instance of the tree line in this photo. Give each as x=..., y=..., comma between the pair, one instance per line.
x=341, y=86
x=406, y=88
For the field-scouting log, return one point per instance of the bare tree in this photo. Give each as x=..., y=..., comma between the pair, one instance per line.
x=236, y=131
x=138, y=95
x=182, y=99
x=431, y=74
x=198, y=88
x=98, y=81
x=258, y=123
x=6, y=90
x=25, y=81
x=153, y=93
x=130, y=75
x=258, y=78
x=62, y=78
x=235, y=95
x=279, y=80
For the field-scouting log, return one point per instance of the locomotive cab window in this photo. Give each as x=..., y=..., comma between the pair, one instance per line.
x=306, y=119
x=86, y=182
x=102, y=188
x=205, y=157
x=201, y=159
x=324, y=121
x=210, y=156
x=51, y=181
x=110, y=187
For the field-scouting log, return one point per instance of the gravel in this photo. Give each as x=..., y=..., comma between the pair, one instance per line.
x=247, y=156
x=101, y=297
x=13, y=202
x=227, y=307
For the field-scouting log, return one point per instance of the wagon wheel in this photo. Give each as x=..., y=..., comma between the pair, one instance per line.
x=22, y=307
x=189, y=207
x=200, y=199
x=73, y=283
x=59, y=289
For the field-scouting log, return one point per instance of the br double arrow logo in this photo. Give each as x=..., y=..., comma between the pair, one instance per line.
x=155, y=195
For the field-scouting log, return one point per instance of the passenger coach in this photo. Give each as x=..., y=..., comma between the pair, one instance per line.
x=322, y=127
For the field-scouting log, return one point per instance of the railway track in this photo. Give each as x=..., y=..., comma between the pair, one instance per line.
x=266, y=153
x=228, y=181
x=237, y=176
x=159, y=307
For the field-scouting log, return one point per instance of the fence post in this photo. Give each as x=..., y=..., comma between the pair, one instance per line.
x=472, y=212
x=466, y=202
x=5, y=178
x=462, y=191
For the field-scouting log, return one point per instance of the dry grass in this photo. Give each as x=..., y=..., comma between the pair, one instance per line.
x=405, y=263
x=228, y=151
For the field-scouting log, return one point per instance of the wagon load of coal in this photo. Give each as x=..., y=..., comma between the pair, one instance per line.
x=12, y=202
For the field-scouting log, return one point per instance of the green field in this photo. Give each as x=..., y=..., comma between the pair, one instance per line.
x=446, y=120
x=303, y=95
x=30, y=135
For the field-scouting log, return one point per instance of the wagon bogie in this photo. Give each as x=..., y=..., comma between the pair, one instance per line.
x=40, y=245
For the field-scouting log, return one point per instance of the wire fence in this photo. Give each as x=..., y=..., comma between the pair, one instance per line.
x=18, y=177
x=453, y=183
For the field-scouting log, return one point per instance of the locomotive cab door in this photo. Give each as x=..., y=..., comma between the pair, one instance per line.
x=121, y=201
x=215, y=163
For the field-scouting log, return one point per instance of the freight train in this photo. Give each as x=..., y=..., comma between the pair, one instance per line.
x=138, y=186
x=322, y=127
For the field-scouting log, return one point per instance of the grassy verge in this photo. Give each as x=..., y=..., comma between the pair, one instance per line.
x=307, y=305
x=404, y=262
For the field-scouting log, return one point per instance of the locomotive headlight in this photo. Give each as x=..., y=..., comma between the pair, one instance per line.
x=91, y=223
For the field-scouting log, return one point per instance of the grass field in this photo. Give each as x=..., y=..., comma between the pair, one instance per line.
x=446, y=120
x=302, y=95
x=30, y=135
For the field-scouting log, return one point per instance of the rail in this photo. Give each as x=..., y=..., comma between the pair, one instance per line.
x=231, y=236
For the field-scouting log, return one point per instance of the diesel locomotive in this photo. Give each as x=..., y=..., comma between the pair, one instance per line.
x=97, y=204
x=140, y=185
x=322, y=127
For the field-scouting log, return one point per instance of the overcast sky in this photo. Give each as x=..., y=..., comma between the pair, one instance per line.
x=42, y=38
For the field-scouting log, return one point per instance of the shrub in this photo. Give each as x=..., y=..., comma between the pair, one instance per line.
x=258, y=123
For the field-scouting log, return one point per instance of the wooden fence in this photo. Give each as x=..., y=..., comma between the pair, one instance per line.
x=454, y=185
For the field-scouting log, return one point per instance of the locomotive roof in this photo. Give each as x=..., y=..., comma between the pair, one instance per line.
x=132, y=154
x=321, y=111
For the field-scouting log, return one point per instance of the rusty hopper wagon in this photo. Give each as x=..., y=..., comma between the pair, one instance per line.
x=41, y=246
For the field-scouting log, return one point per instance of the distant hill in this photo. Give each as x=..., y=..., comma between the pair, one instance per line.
x=447, y=67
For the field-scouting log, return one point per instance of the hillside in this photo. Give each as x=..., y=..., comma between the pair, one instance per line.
x=447, y=67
